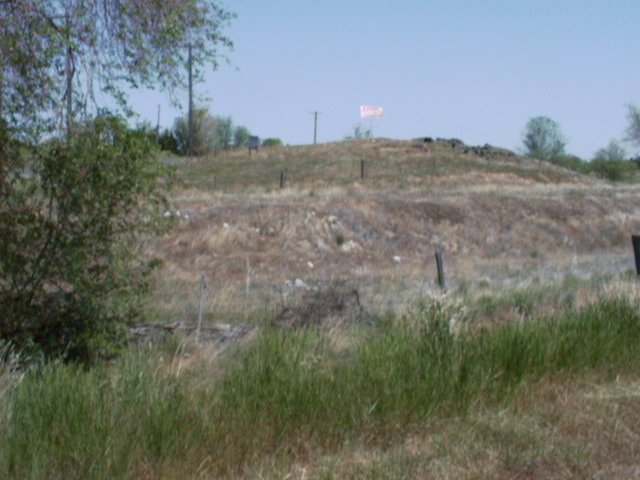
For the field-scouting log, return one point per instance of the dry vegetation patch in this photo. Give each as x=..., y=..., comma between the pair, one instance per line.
x=249, y=243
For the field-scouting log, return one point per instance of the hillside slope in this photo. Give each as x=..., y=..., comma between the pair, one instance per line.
x=498, y=217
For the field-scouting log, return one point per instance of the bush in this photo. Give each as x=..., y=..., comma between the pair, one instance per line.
x=205, y=133
x=614, y=170
x=272, y=142
x=571, y=162
x=168, y=142
x=71, y=274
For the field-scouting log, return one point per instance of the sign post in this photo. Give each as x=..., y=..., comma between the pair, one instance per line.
x=254, y=143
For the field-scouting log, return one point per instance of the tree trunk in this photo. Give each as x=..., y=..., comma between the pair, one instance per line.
x=3, y=136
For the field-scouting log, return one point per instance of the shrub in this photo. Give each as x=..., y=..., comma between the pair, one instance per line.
x=272, y=142
x=571, y=162
x=71, y=273
x=614, y=170
x=168, y=142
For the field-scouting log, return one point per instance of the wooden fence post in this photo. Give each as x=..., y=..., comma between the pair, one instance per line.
x=635, y=240
x=203, y=293
x=440, y=265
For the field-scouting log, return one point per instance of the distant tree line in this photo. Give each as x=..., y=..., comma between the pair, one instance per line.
x=211, y=134
x=542, y=138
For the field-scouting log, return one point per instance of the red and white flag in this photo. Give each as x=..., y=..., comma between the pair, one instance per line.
x=371, y=111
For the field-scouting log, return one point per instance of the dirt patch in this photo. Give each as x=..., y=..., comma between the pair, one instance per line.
x=336, y=303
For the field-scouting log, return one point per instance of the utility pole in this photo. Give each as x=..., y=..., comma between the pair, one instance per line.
x=315, y=126
x=190, y=62
x=158, y=126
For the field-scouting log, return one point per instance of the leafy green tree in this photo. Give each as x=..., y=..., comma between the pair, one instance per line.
x=633, y=130
x=27, y=53
x=72, y=270
x=73, y=211
x=241, y=137
x=209, y=133
x=53, y=53
x=543, y=139
x=205, y=133
x=224, y=133
x=612, y=152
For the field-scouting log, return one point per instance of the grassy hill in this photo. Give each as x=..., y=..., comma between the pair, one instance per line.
x=501, y=220
x=391, y=164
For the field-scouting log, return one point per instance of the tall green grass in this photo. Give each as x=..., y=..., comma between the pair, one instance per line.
x=408, y=369
x=66, y=422
x=289, y=391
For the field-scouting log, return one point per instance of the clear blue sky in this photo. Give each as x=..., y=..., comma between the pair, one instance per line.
x=472, y=69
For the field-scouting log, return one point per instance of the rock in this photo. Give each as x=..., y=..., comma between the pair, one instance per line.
x=350, y=246
x=299, y=283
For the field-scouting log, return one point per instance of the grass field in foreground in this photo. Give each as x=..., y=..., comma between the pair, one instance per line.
x=409, y=396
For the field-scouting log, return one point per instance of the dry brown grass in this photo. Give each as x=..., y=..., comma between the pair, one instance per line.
x=501, y=219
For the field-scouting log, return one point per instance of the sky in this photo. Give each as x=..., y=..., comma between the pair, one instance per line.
x=476, y=70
